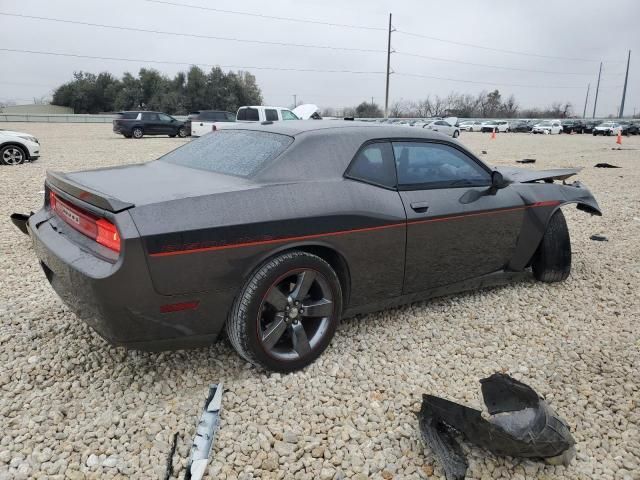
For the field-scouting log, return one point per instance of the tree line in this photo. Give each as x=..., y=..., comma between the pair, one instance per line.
x=151, y=90
x=196, y=90
x=483, y=105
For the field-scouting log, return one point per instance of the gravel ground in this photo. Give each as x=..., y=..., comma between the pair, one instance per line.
x=73, y=407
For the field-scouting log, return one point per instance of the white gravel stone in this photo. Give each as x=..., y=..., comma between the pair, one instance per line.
x=74, y=407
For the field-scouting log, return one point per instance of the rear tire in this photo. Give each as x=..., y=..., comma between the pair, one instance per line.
x=552, y=260
x=182, y=132
x=137, y=132
x=456, y=134
x=254, y=313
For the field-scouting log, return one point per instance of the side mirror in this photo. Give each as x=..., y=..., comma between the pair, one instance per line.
x=497, y=180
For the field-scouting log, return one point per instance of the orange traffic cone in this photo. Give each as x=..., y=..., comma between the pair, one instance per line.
x=493, y=134
x=619, y=139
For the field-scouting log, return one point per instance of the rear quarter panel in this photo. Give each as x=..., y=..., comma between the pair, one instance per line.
x=213, y=243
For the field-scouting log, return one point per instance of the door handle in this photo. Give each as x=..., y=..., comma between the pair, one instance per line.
x=420, y=207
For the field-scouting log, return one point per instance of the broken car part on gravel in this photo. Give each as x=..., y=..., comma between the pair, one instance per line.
x=205, y=434
x=20, y=220
x=605, y=165
x=526, y=160
x=520, y=424
x=599, y=238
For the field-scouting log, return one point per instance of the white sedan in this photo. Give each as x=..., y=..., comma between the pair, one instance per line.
x=471, y=126
x=548, y=126
x=444, y=128
x=607, y=128
x=494, y=126
x=18, y=147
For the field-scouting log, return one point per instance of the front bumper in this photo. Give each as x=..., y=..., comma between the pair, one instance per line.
x=33, y=149
x=117, y=299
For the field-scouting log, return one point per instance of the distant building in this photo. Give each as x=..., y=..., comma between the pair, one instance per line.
x=37, y=109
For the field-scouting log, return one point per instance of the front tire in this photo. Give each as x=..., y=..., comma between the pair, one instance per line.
x=12, y=155
x=552, y=260
x=456, y=134
x=287, y=312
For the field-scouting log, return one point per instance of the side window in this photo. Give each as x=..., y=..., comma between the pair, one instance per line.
x=288, y=115
x=271, y=115
x=230, y=117
x=250, y=114
x=149, y=117
x=434, y=165
x=164, y=118
x=374, y=164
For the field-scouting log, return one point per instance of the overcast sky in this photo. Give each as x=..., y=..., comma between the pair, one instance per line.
x=582, y=32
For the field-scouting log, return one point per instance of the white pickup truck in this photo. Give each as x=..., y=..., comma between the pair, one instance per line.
x=254, y=113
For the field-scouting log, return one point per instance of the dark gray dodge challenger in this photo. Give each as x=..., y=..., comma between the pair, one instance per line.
x=276, y=231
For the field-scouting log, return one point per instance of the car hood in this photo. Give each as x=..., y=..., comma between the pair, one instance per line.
x=525, y=175
x=124, y=187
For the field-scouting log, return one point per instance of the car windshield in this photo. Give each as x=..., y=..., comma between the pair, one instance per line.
x=230, y=152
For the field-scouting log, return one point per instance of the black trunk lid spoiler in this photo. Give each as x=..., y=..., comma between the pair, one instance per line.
x=101, y=200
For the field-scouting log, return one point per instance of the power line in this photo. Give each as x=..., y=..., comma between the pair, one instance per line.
x=495, y=84
x=439, y=59
x=26, y=84
x=191, y=35
x=271, y=17
x=483, y=47
x=167, y=62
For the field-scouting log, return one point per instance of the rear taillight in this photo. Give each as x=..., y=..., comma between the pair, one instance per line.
x=213, y=128
x=99, y=229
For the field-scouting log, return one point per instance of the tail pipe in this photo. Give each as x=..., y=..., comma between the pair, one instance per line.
x=20, y=220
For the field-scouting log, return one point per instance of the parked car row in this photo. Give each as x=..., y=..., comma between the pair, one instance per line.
x=136, y=124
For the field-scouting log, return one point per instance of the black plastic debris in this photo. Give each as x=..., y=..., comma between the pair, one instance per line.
x=20, y=220
x=205, y=434
x=599, y=238
x=484, y=152
x=526, y=160
x=520, y=424
x=169, y=470
x=605, y=165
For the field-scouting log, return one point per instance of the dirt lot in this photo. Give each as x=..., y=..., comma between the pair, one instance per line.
x=73, y=407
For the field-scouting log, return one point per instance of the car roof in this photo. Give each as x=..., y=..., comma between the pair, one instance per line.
x=263, y=106
x=295, y=128
x=209, y=111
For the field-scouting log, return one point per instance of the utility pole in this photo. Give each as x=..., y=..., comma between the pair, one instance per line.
x=386, y=95
x=595, y=102
x=584, y=113
x=624, y=90
x=371, y=100
x=295, y=103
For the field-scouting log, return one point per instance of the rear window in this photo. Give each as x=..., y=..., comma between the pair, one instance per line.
x=249, y=114
x=127, y=115
x=230, y=152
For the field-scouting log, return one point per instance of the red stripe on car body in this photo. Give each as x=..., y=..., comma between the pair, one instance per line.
x=214, y=248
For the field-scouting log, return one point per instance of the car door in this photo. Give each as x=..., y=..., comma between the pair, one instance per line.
x=152, y=124
x=458, y=227
x=166, y=124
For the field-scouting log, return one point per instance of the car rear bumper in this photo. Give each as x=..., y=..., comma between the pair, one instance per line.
x=117, y=299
